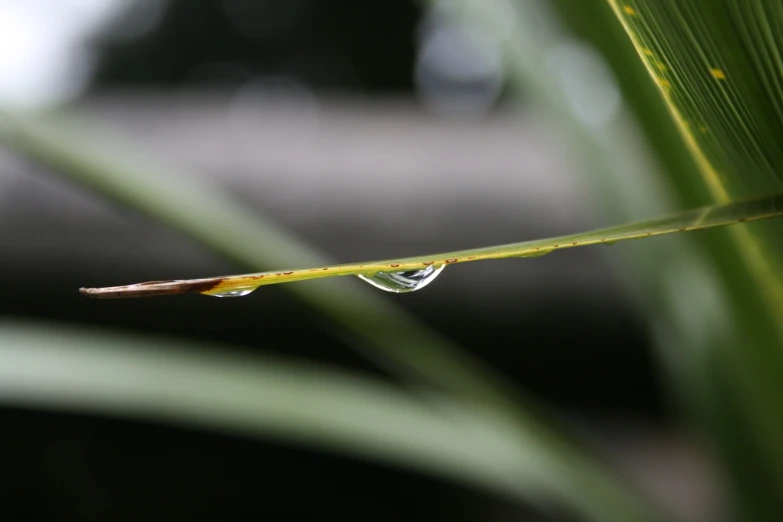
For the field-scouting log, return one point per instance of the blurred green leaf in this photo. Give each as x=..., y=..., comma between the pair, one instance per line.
x=718, y=67
x=200, y=386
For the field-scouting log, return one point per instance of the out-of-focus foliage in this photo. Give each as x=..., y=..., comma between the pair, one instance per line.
x=388, y=334
x=710, y=81
x=709, y=107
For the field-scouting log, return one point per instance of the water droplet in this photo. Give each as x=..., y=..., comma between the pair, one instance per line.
x=538, y=253
x=234, y=293
x=609, y=243
x=400, y=282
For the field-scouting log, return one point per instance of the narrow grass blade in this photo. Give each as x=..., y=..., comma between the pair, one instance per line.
x=691, y=220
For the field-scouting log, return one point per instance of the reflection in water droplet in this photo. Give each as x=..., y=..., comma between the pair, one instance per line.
x=234, y=293
x=408, y=281
x=538, y=253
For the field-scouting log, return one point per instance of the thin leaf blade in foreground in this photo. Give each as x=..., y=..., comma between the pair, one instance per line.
x=691, y=220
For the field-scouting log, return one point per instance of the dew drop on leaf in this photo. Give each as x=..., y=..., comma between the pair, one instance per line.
x=400, y=282
x=234, y=293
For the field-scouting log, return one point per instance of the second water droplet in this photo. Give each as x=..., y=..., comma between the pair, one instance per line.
x=400, y=282
x=234, y=293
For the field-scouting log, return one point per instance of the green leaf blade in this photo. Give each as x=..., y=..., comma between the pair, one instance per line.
x=687, y=221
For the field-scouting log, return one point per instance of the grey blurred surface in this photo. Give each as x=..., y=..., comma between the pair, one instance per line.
x=359, y=181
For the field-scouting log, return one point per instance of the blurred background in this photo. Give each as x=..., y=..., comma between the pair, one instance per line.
x=366, y=130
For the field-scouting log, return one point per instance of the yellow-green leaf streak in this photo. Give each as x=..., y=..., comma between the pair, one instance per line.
x=690, y=220
x=718, y=66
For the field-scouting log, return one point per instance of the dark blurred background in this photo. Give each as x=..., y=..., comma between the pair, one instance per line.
x=366, y=129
